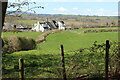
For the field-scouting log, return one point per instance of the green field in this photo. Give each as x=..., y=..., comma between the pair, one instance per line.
x=46, y=57
x=33, y=35
x=71, y=39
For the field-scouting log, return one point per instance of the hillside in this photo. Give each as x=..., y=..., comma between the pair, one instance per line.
x=70, y=20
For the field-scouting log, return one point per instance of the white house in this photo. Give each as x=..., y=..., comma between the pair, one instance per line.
x=42, y=27
x=61, y=25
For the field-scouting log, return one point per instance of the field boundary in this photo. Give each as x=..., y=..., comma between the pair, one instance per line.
x=43, y=36
x=102, y=30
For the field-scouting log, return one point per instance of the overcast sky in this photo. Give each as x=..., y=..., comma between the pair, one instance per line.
x=77, y=7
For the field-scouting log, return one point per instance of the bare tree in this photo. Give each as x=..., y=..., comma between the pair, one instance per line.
x=21, y=5
x=18, y=5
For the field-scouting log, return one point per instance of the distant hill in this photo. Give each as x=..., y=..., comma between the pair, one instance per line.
x=32, y=14
x=70, y=20
x=16, y=13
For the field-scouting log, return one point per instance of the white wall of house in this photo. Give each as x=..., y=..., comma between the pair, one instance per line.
x=38, y=27
x=61, y=26
x=41, y=27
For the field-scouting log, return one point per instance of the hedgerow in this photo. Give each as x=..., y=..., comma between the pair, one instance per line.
x=14, y=43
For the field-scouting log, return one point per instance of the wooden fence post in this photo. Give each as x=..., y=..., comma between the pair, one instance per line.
x=107, y=59
x=63, y=63
x=21, y=68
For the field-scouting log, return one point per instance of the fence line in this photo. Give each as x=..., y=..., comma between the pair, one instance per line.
x=21, y=69
x=107, y=59
x=63, y=62
x=21, y=63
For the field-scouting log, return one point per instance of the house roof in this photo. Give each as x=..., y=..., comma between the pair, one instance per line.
x=51, y=24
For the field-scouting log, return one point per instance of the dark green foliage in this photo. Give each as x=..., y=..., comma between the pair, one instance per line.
x=14, y=43
x=27, y=43
x=11, y=44
x=101, y=30
x=114, y=58
x=91, y=61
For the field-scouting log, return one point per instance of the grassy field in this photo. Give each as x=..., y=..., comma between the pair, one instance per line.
x=73, y=40
x=76, y=38
x=44, y=62
x=33, y=35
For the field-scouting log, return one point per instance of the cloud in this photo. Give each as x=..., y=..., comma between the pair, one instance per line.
x=46, y=5
x=101, y=12
x=88, y=11
x=60, y=9
x=116, y=13
x=75, y=9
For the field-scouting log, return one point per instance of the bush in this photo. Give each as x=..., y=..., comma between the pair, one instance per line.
x=91, y=61
x=27, y=43
x=102, y=30
x=14, y=43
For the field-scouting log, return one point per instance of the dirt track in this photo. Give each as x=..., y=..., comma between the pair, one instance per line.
x=42, y=37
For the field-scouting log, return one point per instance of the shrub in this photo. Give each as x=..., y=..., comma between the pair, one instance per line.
x=102, y=30
x=14, y=43
x=91, y=61
x=27, y=43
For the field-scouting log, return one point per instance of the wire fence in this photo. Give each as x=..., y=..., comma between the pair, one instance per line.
x=98, y=61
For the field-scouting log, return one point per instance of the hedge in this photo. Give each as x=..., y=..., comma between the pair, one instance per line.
x=14, y=43
x=102, y=30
